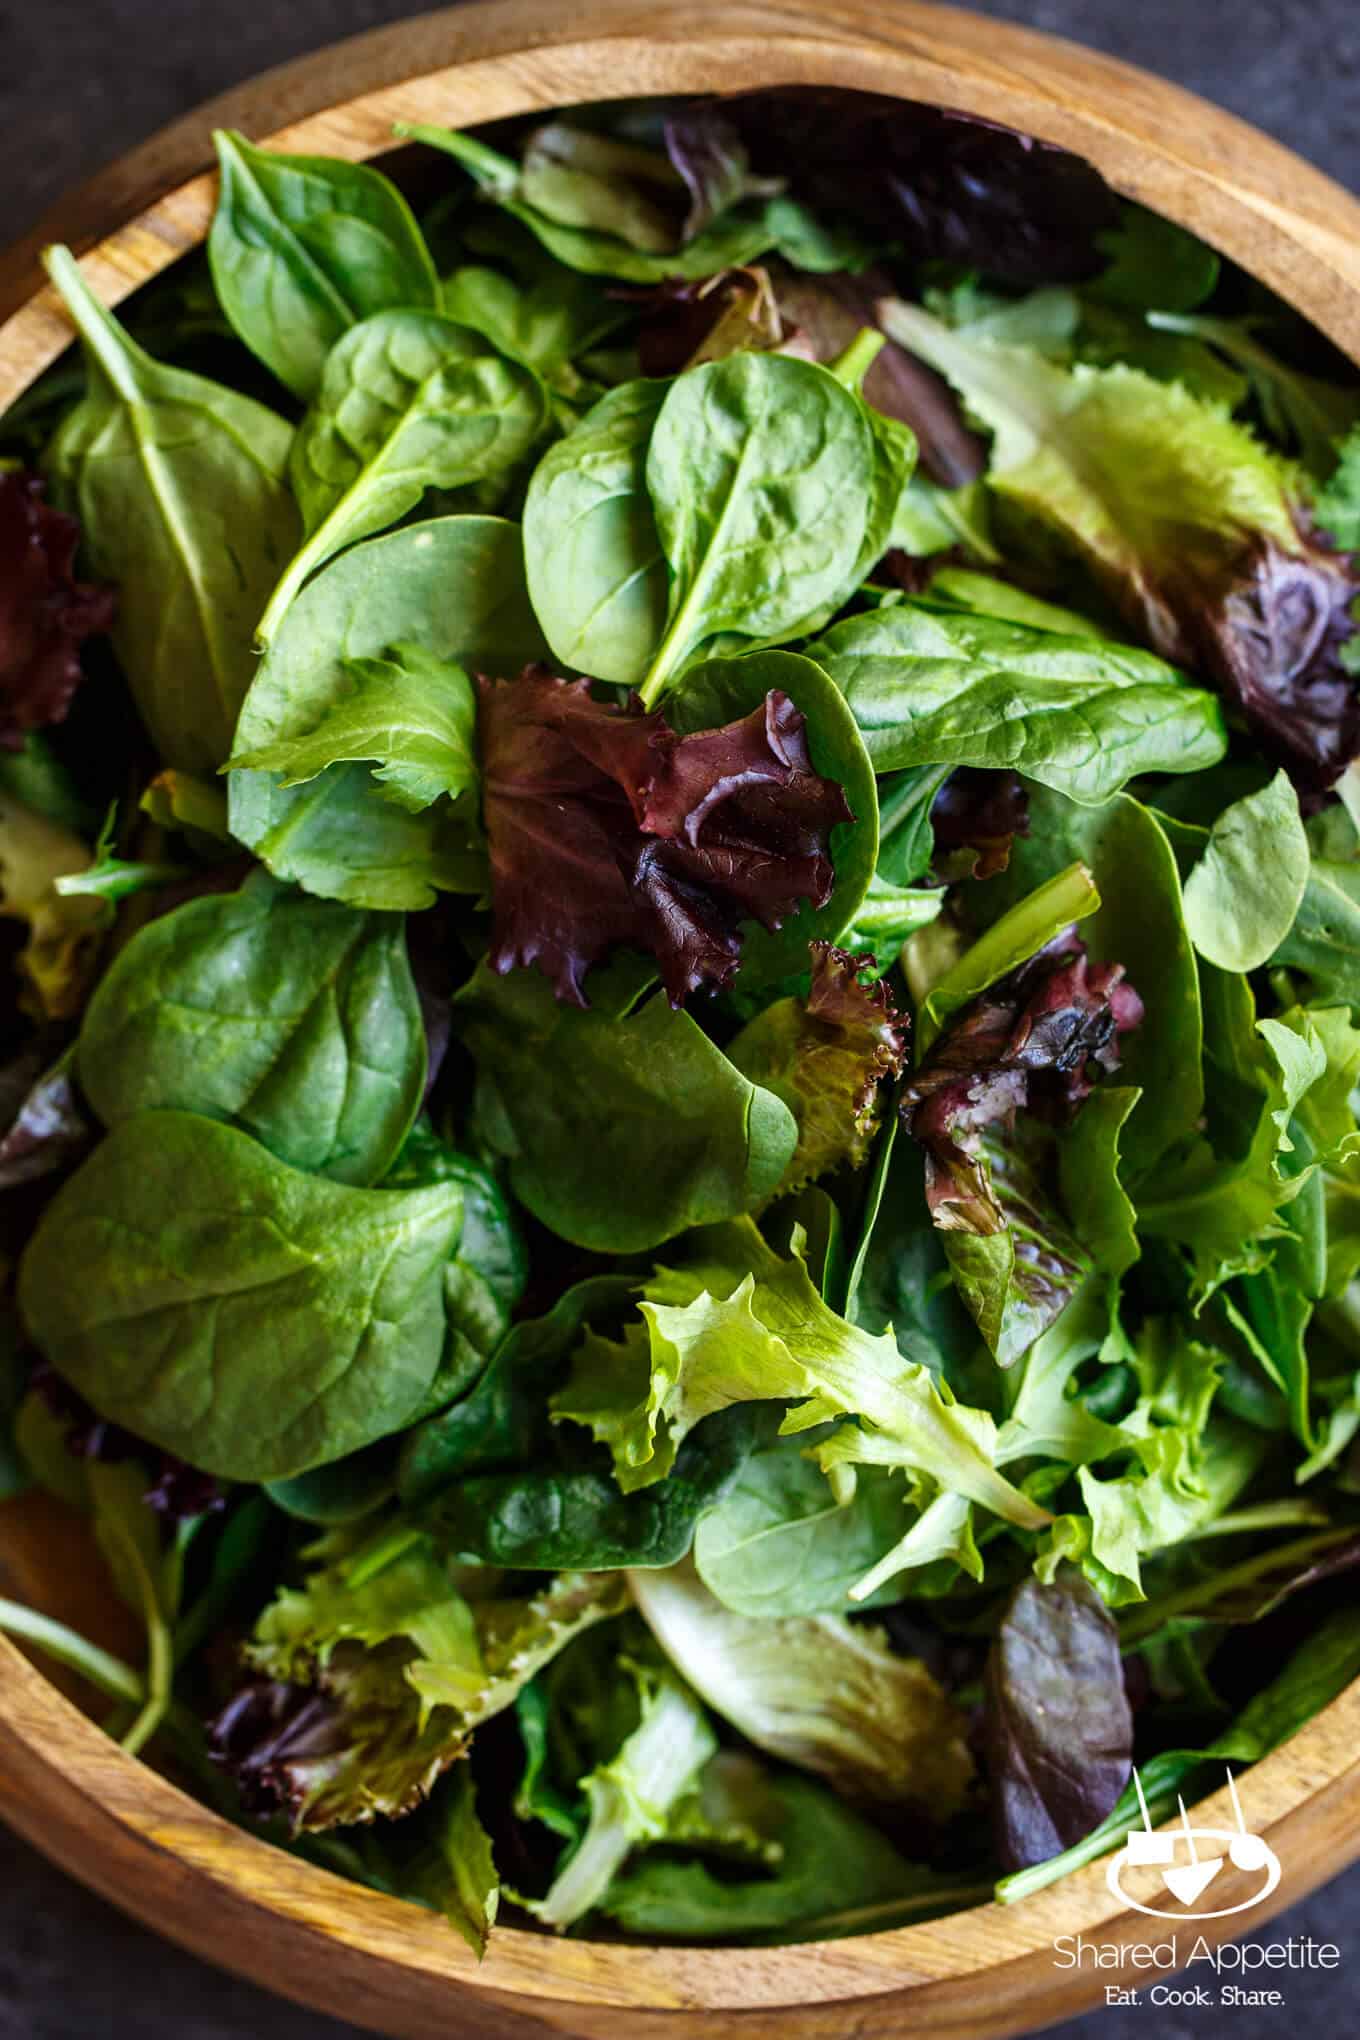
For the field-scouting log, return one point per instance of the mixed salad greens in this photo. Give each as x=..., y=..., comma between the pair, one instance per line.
x=680, y=1166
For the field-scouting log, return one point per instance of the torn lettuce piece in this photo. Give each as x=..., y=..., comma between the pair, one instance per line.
x=372, y=1675
x=607, y=828
x=827, y=1056
x=1003, y=1072
x=743, y=1324
x=1195, y=529
x=815, y=1691
x=1058, y=1728
x=631, y=1797
x=836, y=1874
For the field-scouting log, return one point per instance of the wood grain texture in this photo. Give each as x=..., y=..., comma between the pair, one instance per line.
x=130, y=1833
x=1246, y=195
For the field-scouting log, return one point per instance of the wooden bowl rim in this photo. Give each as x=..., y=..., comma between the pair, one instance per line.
x=1251, y=199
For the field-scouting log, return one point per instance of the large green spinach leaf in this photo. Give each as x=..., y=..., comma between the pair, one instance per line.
x=762, y=471
x=293, y=1018
x=253, y=1320
x=781, y=1542
x=930, y=686
x=597, y=575
x=408, y=402
x=179, y=486
x=302, y=247
x=457, y=585
x=621, y=1127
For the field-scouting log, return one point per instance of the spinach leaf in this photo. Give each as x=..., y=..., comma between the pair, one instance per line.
x=929, y=686
x=1243, y=893
x=1324, y=942
x=761, y=470
x=408, y=402
x=622, y=1129
x=302, y=247
x=485, y=1279
x=253, y=1320
x=292, y=1018
x=503, y=1422
x=781, y=1542
x=179, y=485
x=573, y=1514
x=343, y=1491
x=547, y=320
x=456, y=581
x=722, y=690
x=597, y=576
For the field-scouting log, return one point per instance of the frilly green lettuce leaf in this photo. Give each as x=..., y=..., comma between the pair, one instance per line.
x=742, y=1324
x=403, y=1663
x=631, y=1797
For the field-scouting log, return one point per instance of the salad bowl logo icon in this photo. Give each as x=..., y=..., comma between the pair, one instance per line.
x=1184, y=1878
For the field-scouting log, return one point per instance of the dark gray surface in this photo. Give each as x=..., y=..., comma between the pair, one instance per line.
x=82, y=80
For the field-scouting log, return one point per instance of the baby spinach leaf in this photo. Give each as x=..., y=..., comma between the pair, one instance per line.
x=597, y=576
x=292, y=1018
x=619, y=1129
x=569, y=1513
x=929, y=686
x=179, y=484
x=722, y=690
x=344, y=1491
x=1244, y=891
x=458, y=582
x=761, y=472
x=303, y=247
x=412, y=711
x=485, y=1279
x=780, y=1542
x=1324, y=942
x=408, y=401
x=545, y=320
x=253, y=1320
x=503, y=1422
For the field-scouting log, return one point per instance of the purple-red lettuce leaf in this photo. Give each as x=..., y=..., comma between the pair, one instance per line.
x=607, y=829
x=976, y=816
x=1001, y=1075
x=710, y=155
x=937, y=186
x=45, y=613
x=1058, y=1730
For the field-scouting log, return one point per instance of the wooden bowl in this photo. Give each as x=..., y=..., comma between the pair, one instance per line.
x=144, y=1844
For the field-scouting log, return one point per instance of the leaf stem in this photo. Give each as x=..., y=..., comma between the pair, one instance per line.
x=109, y=1674
x=495, y=173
